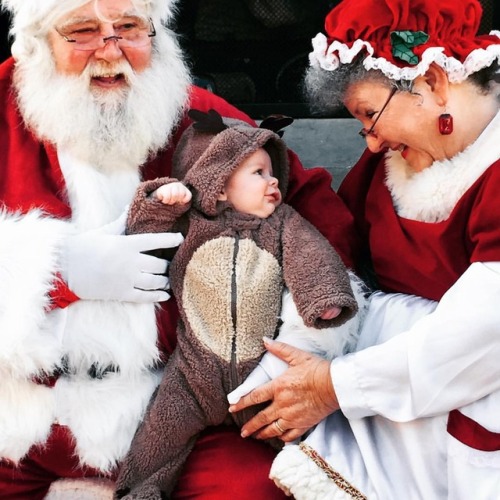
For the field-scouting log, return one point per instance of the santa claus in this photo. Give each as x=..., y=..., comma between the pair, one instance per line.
x=93, y=102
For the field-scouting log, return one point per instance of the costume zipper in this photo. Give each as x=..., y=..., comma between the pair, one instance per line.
x=234, y=379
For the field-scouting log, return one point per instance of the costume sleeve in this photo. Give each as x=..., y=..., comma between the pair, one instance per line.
x=310, y=193
x=314, y=273
x=447, y=359
x=147, y=214
x=309, y=190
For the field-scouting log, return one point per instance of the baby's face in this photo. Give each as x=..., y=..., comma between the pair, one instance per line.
x=251, y=188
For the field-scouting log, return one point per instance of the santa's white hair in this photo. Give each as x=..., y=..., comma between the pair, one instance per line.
x=108, y=129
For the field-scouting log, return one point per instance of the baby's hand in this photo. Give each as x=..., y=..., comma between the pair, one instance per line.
x=172, y=193
x=331, y=313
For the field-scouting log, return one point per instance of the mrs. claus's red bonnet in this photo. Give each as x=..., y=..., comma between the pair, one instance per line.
x=403, y=37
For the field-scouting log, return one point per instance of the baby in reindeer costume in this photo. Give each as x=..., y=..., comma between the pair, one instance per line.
x=242, y=247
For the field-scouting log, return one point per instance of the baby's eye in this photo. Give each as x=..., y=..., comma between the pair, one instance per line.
x=370, y=114
x=259, y=171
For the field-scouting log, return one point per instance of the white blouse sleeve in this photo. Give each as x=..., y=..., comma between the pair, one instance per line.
x=447, y=359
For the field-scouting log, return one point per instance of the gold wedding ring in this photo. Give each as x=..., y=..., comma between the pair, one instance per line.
x=278, y=426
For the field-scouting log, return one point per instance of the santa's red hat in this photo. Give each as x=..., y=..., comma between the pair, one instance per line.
x=403, y=37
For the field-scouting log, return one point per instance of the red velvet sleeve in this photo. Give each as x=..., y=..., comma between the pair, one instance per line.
x=353, y=191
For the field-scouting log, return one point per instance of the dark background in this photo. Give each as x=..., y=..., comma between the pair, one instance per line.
x=254, y=52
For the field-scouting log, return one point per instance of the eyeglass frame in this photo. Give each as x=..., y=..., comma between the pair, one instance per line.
x=365, y=133
x=106, y=39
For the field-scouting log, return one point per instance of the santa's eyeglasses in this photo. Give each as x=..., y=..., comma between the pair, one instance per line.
x=128, y=32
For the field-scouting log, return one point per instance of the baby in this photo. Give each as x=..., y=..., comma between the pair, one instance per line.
x=242, y=247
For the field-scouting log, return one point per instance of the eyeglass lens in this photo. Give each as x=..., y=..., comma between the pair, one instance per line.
x=128, y=32
x=363, y=132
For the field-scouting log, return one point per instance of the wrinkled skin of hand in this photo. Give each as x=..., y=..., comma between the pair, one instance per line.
x=300, y=398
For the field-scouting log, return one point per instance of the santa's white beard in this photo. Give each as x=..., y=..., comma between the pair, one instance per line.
x=109, y=129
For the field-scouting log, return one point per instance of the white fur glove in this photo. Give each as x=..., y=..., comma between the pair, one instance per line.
x=104, y=264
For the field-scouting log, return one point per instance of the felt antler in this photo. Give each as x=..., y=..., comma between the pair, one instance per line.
x=276, y=123
x=207, y=122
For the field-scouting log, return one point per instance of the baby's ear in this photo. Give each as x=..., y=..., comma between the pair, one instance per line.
x=222, y=196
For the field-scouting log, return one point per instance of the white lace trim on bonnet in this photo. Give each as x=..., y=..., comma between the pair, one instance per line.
x=329, y=57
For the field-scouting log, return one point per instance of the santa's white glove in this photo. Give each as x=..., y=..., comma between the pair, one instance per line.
x=104, y=264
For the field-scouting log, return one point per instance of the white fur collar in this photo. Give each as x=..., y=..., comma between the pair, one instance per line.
x=431, y=195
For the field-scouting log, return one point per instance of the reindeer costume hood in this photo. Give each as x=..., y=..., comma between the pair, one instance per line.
x=213, y=147
x=227, y=277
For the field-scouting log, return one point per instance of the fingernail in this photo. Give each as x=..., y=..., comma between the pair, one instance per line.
x=268, y=340
x=244, y=434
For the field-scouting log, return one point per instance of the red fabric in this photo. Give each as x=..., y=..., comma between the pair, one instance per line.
x=222, y=466
x=423, y=258
x=470, y=433
x=30, y=173
x=44, y=464
x=61, y=296
x=245, y=465
x=451, y=24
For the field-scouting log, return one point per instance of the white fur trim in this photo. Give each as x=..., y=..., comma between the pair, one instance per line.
x=27, y=341
x=111, y=333
x=26, y=415
x=110, y=192
x=81, y=489
x=431, y=194
x=329, y=57
x=296, y=474
x=103, y=414
x=105, y=332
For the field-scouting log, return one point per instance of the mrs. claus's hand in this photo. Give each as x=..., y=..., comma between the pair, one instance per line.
x=298, y=399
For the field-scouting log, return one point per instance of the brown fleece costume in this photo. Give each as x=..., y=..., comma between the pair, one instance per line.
x=228, y=277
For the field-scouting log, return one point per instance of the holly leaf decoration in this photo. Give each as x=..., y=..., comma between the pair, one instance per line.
x=404, y=41
x=276, y=123
x=207, y=122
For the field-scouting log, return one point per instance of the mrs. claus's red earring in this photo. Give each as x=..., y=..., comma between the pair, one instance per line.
x=445, y=121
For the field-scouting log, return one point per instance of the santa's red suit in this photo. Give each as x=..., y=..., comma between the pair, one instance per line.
x=78, y=374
